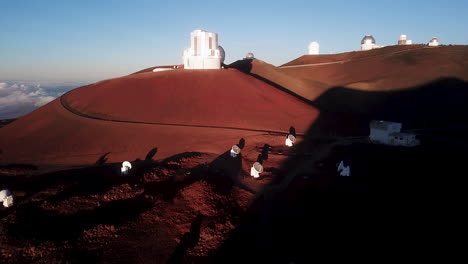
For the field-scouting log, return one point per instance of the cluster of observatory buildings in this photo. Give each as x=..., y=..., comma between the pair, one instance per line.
x=205, y=52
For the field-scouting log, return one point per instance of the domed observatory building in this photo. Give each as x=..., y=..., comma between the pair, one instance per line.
x=249, y=56
x=204, y=51
x=434, y=42
x=404, y=41
x=314, y=48
x=368, y=43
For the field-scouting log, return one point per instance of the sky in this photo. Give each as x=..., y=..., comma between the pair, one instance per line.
x=46, y=42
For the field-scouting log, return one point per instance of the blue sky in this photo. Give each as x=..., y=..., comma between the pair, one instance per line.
x=87, y=41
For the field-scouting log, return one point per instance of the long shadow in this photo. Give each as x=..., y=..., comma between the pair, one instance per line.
x=408, y=195
x=188, y=240
x=95, y=179
x=222, y=173
x=245, y=66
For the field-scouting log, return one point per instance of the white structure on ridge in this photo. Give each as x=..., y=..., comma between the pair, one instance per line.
x=249, y=56
x=204, y=51
x=434, y=42
x=388, y=133
x=404, y=41
x=314, y=48
x=368, y=43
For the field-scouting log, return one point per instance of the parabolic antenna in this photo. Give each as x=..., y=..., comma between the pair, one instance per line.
x=6, y=198
x=290, y=140
x=256, y=169
x=235, y=150
x=126, y=166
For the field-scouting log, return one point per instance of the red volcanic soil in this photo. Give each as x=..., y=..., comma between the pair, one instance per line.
x=187, y=200
x=181, y=210
x=175, y=111
x=354, y=55
x=221, y=98
x=384, y=69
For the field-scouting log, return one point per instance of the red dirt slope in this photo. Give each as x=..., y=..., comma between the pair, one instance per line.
x=222, y=98
x=54, y=135
x=390, y=68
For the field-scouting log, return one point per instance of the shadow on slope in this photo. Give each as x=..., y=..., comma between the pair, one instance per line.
x=409, y=195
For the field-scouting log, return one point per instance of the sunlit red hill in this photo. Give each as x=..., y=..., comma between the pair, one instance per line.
x=175, y=111
x=210, y=110
x=383, y=69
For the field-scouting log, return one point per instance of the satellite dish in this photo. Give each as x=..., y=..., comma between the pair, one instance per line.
x=126, y=167
x=235, y=150
x=256, y=169
x=6, y=198
x=290, y=139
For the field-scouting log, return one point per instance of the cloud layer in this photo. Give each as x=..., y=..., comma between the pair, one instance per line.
x=20, y=98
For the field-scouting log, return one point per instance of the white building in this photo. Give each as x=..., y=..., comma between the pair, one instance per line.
x=404, y=41
x=204, y=51
x=368, y=43
x=389, y=133
x=249, y=56
x=314, y=48
x=434, y=42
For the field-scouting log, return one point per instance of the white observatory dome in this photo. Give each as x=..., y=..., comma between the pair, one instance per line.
x=250, y=56
x=368, y=39
x=368, y=42
x=314, y=48
x=222, y=53
x=434, y=42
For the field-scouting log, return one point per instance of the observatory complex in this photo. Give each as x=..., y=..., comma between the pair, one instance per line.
x=204, y=51
x=314, y=48
x=368, y=43
x=434, y=42
x=404, y=41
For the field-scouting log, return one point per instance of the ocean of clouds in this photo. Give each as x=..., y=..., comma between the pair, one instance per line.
x=19, y=98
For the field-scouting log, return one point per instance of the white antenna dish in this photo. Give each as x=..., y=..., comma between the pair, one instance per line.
x=235, y=150
x=126, y=167
x=343, y=170
x=6, y=198
x=256, y=169
x=346, y=171
x=290, y=140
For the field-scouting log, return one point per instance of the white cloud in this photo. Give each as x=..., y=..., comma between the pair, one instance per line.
x=18, y=99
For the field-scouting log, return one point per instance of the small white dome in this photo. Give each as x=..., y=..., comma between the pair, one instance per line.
x=368, y=39
x=313, y=44
x=250, y=55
